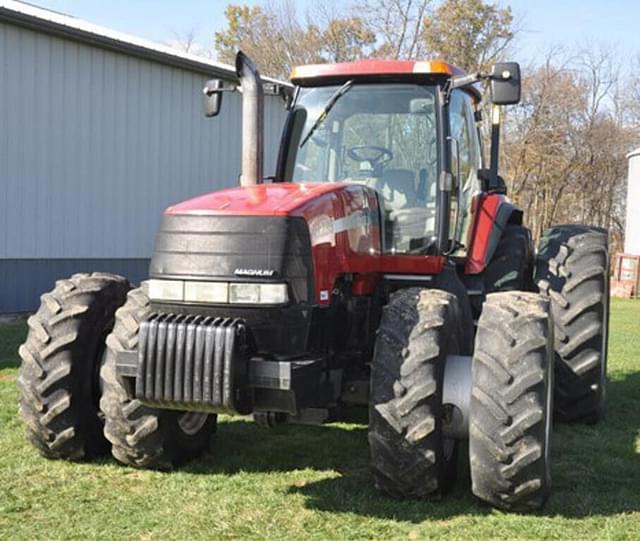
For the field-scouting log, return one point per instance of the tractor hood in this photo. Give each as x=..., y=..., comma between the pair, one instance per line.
x=279, y=199
x=303, y=234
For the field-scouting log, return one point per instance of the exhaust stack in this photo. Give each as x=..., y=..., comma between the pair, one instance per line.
x=252, y=121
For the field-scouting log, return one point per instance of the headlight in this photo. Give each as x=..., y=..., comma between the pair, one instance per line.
x=244, y=293
x=209, y=292
x=273, y=293
x=258, y=293
x=166, y=290
x=217, y=292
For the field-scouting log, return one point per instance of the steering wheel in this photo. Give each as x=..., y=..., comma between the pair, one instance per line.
x=377, y=156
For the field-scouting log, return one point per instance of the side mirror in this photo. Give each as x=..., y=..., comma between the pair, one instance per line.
x=212, y=92
x=505, y=83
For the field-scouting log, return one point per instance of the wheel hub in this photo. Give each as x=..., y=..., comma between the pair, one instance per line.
x=456, y=396
x=191, y=422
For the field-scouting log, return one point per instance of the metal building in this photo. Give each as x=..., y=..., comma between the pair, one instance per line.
x=99, y=132
x=632, y=229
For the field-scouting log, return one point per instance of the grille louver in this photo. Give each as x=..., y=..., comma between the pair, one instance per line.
x=192, y=361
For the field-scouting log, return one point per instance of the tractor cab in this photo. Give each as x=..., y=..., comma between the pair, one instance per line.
x=381, y=135
x=401, y=128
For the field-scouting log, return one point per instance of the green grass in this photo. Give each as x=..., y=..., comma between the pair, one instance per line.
x=314, y=483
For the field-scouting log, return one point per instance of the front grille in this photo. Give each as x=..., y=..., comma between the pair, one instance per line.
x=193, y=362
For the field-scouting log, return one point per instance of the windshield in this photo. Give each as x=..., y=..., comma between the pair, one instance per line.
x=380, y=135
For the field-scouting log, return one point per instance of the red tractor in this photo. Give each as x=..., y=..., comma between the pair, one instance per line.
x=383, y=265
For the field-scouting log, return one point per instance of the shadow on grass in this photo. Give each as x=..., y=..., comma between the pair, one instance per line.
x=596, y=469
x=12, y=334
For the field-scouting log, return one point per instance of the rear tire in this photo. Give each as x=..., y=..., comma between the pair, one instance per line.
x=511, y=266
x=511, y=402
x=142, y=436
x=58, y=380
x=572, y=270
x=410, y=457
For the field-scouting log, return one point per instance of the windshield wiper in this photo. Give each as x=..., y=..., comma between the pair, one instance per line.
x=328, y=106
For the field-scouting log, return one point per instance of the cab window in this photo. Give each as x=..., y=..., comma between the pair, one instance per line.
x=466, y=161
x=383, y=136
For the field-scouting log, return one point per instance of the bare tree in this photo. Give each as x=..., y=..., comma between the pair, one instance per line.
x=187, y=42
x=276, y=38
x=566, y=142
x=469, y=33
x=398, y=24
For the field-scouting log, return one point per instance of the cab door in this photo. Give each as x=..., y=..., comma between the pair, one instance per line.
x=465, y=163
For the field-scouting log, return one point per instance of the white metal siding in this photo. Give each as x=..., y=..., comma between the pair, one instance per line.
x=94, y=144
x=632, y=230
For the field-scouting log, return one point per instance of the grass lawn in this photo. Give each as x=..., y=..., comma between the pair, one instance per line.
x=314, y=483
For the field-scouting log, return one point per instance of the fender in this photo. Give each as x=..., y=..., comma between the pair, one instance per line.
x=492, y=213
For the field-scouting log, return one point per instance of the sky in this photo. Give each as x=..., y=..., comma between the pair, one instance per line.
x=542, y=22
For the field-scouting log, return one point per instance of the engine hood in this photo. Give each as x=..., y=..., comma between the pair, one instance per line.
x=279, y=199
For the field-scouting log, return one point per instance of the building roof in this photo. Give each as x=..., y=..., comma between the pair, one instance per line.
x=44, y=20
x=363, y=68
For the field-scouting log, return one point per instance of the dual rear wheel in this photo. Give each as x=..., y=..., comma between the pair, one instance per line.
x=71, y=401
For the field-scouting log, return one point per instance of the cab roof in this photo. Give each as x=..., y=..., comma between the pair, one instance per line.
x=315, y=73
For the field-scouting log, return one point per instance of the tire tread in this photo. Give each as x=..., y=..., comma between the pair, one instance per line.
x=417, y=330
x=508, y=415
x=572, y=270
x=55, y=396
x=141, y=436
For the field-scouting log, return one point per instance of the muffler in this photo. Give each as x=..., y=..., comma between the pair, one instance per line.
x=252, y=120
x=252, y=91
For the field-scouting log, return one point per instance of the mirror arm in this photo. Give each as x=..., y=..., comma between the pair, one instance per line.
x=465, y=80
x=210, y=89
x=284, y=91
x=501, y=73
x=462, y=81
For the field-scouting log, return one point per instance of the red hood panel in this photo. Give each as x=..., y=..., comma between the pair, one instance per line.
x=278, y=199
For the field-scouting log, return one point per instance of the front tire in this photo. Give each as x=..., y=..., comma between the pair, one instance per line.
x=410, y=457
x=572, y=270
x=142, y=436
x=511, y=402
x=58, y=381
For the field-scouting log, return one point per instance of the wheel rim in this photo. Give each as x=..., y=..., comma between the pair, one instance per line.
x=191, y=422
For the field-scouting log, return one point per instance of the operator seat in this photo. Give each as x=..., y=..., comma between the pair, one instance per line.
x=399, y=187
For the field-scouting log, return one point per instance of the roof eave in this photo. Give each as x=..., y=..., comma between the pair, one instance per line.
x=58, y=24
